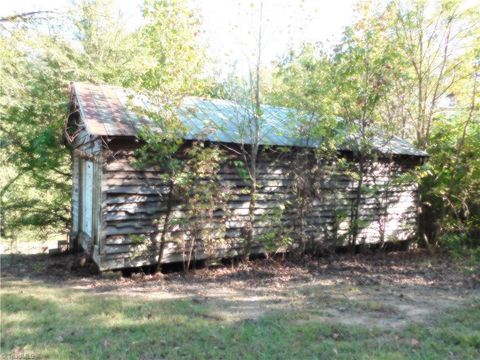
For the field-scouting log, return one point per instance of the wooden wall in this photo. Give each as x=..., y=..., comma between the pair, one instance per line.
x=133, y=208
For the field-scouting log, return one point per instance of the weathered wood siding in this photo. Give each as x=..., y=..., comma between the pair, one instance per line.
x=133, y=209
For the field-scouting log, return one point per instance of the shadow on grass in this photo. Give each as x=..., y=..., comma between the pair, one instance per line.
x=65, y=323
x=44, y=266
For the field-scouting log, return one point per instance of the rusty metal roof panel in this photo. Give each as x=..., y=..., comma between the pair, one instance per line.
x=106, y=112
x=87, y=106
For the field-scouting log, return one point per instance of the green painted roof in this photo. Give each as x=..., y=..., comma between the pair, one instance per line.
x=105, y=113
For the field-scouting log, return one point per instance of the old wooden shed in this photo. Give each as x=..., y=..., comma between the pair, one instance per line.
x=118, y=208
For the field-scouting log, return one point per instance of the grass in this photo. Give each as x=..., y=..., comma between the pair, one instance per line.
x=41, y=321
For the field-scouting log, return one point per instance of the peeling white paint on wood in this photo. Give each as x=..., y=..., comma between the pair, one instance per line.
x=87, y=198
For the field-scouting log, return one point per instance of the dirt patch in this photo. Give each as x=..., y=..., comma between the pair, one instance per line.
x=387, y=307
x=386, y=290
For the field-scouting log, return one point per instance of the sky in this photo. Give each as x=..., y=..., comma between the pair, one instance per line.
x=228, y=24
x=231, y=29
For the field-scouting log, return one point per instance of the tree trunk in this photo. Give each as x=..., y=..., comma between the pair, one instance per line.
x=158, y=265
x=356, y=208
x=251, y=220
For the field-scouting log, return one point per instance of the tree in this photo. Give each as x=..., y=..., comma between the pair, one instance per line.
x=32, y=110
x=364, y=66
x=250, y=95
x=347, y=95
x=438, y=46
x=108, y=53
x=303, y=81
x=450, y=186
x=39, y=59
x=247, y=95
x=170, y=48
x=434, y=43
x=392, y=72
x=205, y=201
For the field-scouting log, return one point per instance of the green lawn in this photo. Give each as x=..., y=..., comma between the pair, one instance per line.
x=41, y=321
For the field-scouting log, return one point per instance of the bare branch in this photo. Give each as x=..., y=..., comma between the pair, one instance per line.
x=28, y=16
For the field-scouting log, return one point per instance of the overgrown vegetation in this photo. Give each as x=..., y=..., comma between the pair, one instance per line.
x=395, y=71
x=200, y=191
x=392, y=73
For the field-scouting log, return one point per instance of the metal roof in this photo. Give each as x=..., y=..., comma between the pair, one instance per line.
x=105, y=112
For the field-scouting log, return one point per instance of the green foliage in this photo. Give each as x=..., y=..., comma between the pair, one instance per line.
x=37, y=64
x=169, y=47
x=277, y=235
x=160, y=149
x=302, y=81
x=109, y=54
x=364, y=68
x=463, y=247
x=340, y=97
x=388, y=74
x=204, y=198
x=450, y=182
x=242, y=170
x=440, y=49
x=35, y=171
x=137, y=239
